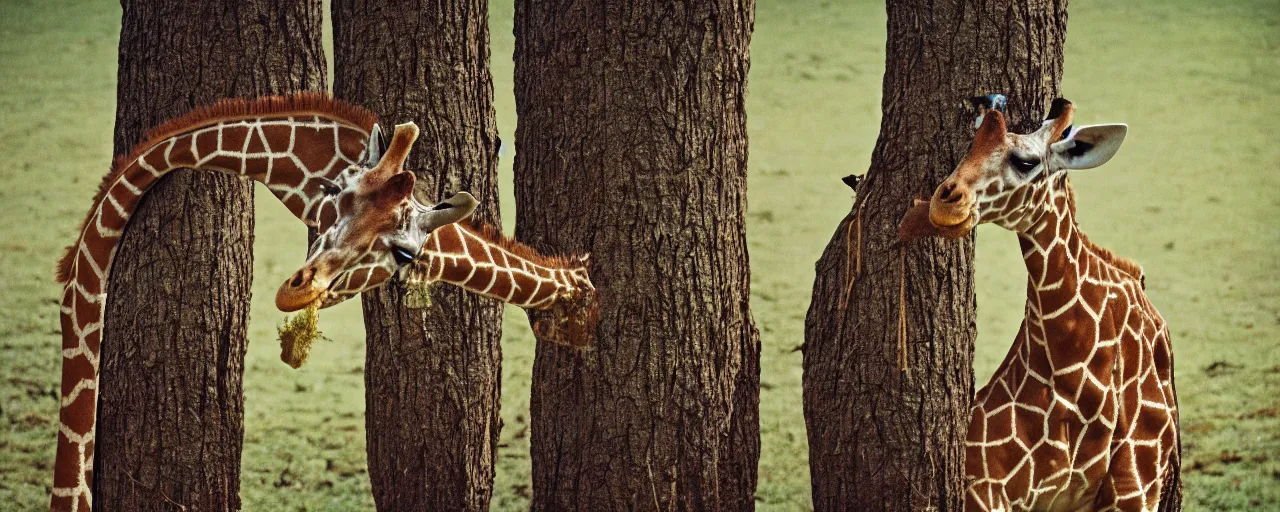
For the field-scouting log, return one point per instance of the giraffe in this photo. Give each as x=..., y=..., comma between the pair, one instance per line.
x=482, y=260
x=326, y=161
x=1082, y=413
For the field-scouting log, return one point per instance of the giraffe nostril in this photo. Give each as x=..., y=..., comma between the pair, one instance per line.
x=951, y=194
x=298, y=278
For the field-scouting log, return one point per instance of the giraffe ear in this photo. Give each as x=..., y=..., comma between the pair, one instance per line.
x=426, y=219
x=374, y=148
x=454, y=209
x=1088, y=146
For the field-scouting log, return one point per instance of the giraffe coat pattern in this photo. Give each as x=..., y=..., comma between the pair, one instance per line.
x=317, y=156
x=285, y=142
x=1082, y=413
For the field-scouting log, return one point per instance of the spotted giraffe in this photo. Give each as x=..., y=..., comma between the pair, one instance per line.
x=324, y=159
x=481, y=259
x=1082, y=414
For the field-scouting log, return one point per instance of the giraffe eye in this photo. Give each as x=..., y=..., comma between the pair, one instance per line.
x=403, y=256
x=1023, y=165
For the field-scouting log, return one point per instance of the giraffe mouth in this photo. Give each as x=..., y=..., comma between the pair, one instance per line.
x=950, y=215
x=302, y=290
x=292, y=300
x=919, y=222
x=322, y=299
x=332, y=298
x=948, y=221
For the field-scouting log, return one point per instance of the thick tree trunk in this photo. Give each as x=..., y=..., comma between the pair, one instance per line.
x=633, y=147
x=432, y=375
x=170, y=420
x=881, y=437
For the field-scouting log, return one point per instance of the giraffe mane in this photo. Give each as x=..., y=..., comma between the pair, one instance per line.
x=300, y=103
x=494, y=235
x=1127, y=266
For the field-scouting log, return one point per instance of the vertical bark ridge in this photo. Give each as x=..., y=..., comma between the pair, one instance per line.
x=632, y=146
x=432, y=376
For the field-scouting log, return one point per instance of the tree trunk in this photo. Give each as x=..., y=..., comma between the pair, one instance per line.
x=432, y=375
x=887, y=412
x=633, y=147
x=170, y=414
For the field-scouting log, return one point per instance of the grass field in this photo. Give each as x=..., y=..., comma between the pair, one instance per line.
x=1194, y=196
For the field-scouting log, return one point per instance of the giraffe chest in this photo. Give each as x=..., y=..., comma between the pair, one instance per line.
x=1042, y=436
x=1077, y=396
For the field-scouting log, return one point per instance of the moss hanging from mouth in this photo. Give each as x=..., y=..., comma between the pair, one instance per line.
x=417, y=293
x=297, y=333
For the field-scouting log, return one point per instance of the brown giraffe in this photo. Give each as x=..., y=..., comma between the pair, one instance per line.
x=482, y=260
x=1082, y=414
x=325, y=160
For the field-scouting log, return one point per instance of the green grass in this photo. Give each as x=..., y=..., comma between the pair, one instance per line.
x=1193, y=196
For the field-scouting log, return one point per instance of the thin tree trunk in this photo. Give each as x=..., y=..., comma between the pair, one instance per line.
x=432, y=375
x=881, y=437
x=170, y=427
x=633, y=147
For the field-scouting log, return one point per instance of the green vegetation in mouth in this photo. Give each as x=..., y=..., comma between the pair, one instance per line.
x=297, y=333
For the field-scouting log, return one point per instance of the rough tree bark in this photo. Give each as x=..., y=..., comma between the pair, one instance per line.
x=170, y=414
x=432, y=375
x=881, y=438
x=633, y=147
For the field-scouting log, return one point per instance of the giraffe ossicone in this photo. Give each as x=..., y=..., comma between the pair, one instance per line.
x=326, y=161
x=1082, y=414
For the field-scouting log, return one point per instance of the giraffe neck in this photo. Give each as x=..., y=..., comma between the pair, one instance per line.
x=284, y=150
x=480, y=260
x=1071, y=297
x=1062, y=263
x=1050, y=249
x=1085, y=391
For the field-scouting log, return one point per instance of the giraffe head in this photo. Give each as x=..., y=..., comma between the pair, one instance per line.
x=1011, y=179
x=369, y=226
x=572, y=318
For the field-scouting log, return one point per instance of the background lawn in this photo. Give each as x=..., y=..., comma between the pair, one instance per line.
x=1194, y=196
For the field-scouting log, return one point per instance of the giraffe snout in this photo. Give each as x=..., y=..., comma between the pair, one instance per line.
x=952, y=203
x=299, y=290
